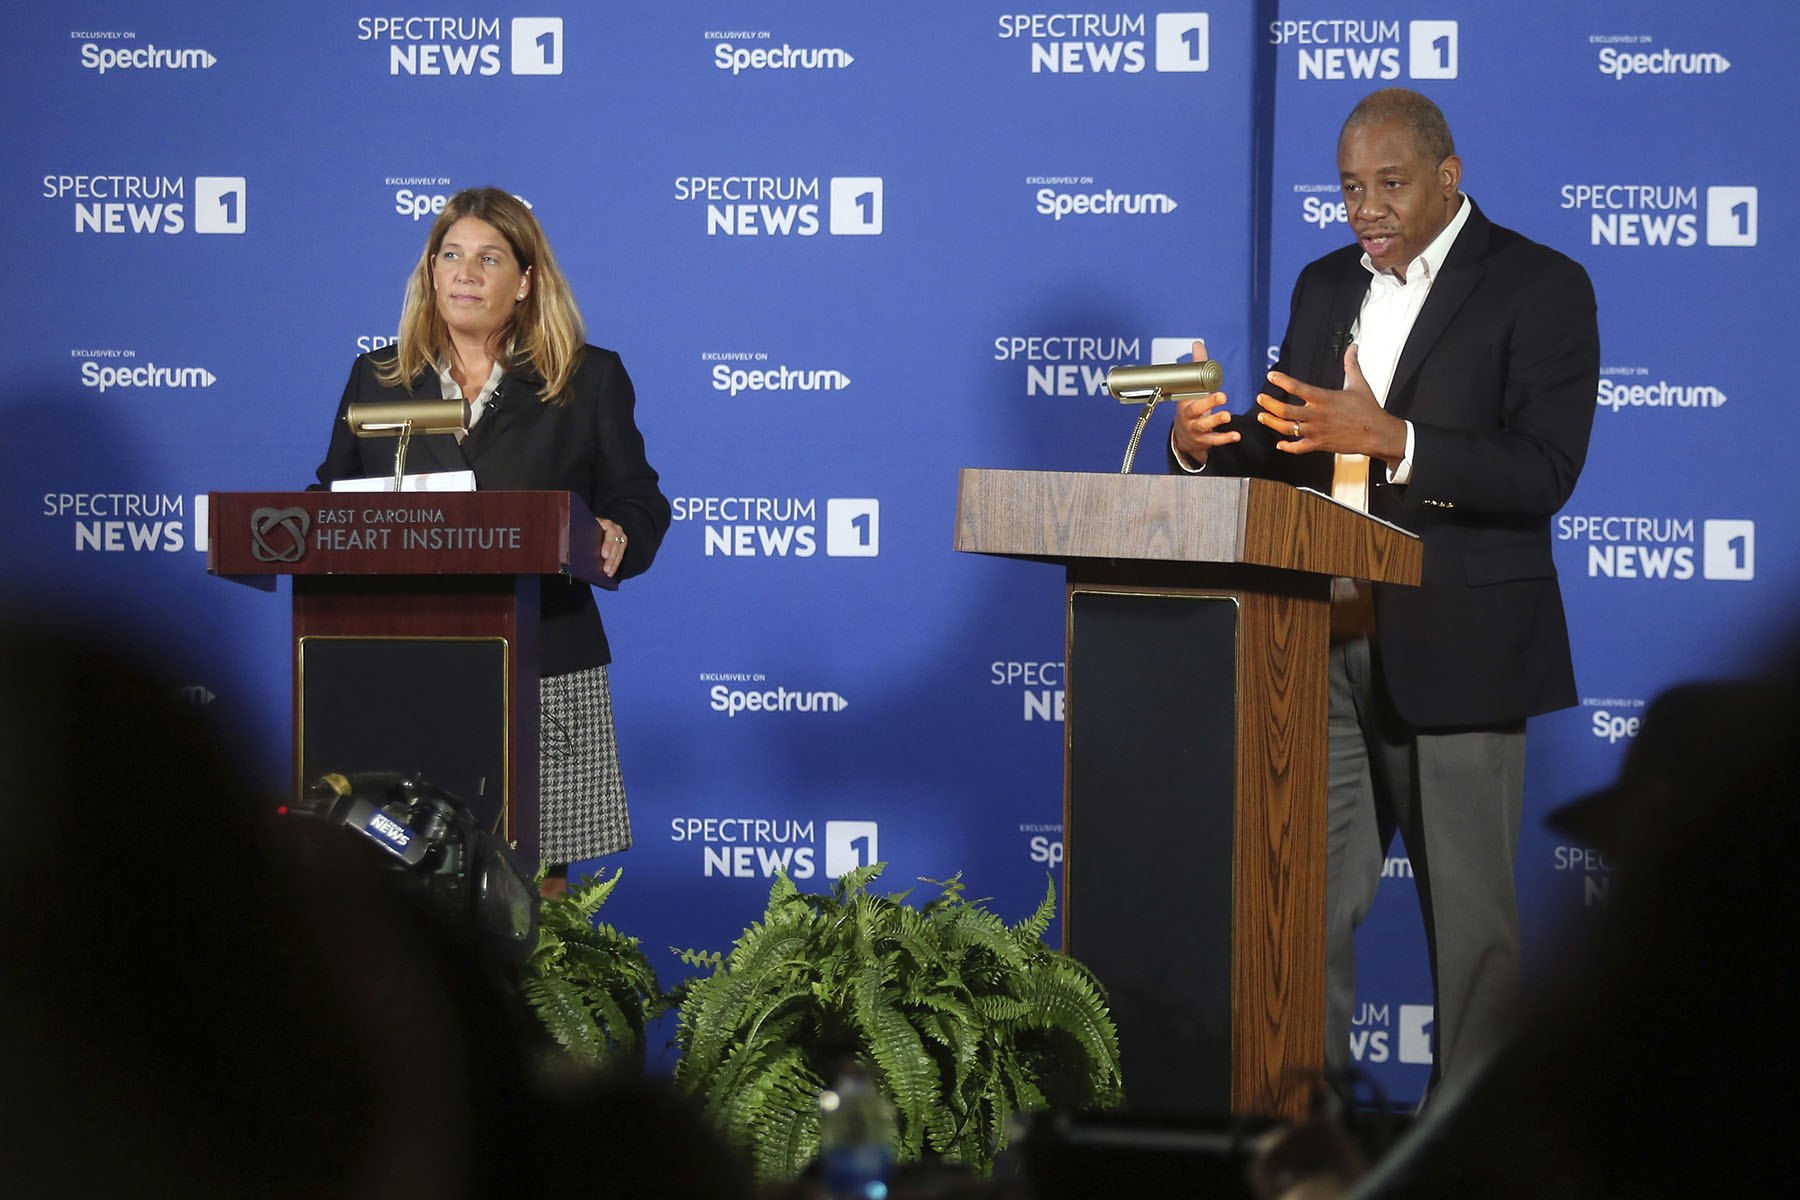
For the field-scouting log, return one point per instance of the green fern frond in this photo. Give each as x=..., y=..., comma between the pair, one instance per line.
x=591, y=892
x=727, y=992
x=613, y=938
x=781, y=891
x=911, y=935
x=960, y=1037
x=789, y=1131
x=564, y=1013
x=775, y=1116
x=710, y=960
x=594, y=959
x=909, y=1071
x=1064, y=1000
x=1029, y=933
x=624, y=1028
x=591, y=987
x=955, y=1006
x=998, y=1112
x=1022, y=1089
x=1002, y=1010
x=773, y=1036
x=972, y=928
x=943, y=1133
x=949, y=893
x=852, y=883
x=959, y=1016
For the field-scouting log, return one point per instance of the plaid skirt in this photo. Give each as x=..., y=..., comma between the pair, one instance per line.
x=581, y=794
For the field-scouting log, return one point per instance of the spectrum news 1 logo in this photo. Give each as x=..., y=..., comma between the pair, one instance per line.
x=746, y=848
x=1373, y=1027
x=1111, y=43
x=1339, y=48
x=1645, y=215
x=123, y=522
x=152, y=203
x=423, y=46
x=783, y=526
x=1662, y=548
x=787, y=205
x=1075, y=365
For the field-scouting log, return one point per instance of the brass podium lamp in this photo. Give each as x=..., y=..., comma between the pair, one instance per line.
x=1156, y=382
x=403, y=418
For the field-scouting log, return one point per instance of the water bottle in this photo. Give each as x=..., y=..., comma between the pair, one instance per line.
x=856, y=1137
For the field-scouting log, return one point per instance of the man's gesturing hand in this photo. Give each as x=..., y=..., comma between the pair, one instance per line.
x=1199, y=421
x=1338, y=422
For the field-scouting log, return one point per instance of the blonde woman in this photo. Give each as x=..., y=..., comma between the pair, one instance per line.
x=489, y=317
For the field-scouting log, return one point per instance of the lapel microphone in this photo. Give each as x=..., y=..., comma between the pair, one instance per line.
x=490, y=410
x=482, y=428
x=1340, y=341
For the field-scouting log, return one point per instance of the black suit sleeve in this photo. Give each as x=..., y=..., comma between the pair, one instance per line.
x=1255, y=453
x=343, y=459
x=624, y=486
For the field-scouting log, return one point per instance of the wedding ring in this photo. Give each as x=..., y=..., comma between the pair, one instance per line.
x=1296, y=429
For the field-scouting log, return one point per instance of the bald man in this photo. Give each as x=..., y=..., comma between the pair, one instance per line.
x=1440, y=372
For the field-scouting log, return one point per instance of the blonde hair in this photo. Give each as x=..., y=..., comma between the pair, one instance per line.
x=545, y=331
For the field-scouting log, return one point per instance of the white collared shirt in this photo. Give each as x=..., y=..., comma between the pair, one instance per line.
x=452, y=390
x=1389, y=310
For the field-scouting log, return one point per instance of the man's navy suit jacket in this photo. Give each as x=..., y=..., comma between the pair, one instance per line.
x=1499, y=377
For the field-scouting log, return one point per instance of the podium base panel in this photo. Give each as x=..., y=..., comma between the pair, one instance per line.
x=434, y=706
x=1149, y=826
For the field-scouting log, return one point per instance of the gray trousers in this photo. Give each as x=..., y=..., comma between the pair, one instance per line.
x=1455, y=798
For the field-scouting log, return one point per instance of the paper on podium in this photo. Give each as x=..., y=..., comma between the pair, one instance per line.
x=431, y=481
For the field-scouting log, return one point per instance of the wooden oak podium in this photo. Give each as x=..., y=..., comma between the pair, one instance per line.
x=1194, y=769
x=415, y=629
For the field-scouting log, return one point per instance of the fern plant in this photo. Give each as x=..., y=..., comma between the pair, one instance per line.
x=591, y=985
x=962, y=1020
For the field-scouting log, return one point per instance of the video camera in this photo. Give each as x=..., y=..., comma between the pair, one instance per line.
x=430, y=839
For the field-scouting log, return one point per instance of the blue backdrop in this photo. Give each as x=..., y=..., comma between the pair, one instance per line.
x=846, y=250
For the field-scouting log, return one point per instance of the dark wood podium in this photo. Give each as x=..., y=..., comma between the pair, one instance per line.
x=1195, y=759
x=415, y=629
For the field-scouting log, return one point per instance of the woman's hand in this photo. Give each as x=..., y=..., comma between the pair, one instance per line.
x=612, y=547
